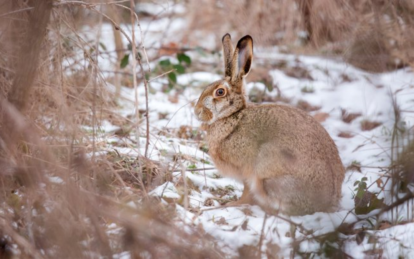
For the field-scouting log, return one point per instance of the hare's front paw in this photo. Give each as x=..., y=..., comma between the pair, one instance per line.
x=244, y=199
x=235, y=203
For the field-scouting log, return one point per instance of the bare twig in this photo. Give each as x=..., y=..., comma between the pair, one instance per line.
x=95, y=83
x=185, y=186
x=134, y=72
x=398, y=202
x=16, y=11
x=196, y=169
x=89, y=4
x=261, y=235
x=145, y=84
x=161, y=75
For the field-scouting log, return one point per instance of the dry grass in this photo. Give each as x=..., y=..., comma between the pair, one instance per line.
x=372, y=35
x=41, y=140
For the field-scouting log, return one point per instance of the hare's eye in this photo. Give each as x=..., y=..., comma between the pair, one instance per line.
x=220, y=92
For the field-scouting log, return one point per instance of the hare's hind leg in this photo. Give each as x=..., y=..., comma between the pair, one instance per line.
x=246, y=198
x=289, y=195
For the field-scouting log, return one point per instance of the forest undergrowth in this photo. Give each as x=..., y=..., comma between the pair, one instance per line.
x=89, y=170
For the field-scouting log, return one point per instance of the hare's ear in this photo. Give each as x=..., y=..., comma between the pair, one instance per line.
x=228, y=55
x=244, y=52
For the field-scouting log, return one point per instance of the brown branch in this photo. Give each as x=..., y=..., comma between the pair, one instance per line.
x=134, y=72
x=16, y=11
x=30, y=49
x=397, y=203
x=196, y=169
x=261, y=235
x=145, y=84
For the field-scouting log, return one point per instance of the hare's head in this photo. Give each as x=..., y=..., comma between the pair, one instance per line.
x=224, y=97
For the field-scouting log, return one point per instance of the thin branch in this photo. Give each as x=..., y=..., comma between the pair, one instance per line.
x=95, y=83
x=161, y=75
x=117, y=26
x=185, y=186
x=88, y=4
x=134, y=72
x=397, y=203
x=17, y=11
x=145, y=84
x=261, y=235
x=174, y=49
x=195, y=169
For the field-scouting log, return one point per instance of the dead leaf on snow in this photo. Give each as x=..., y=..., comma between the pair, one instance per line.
x=173, y=98
x=384, y=225
x=222, y=221
x=304, y=105
x=244, y=225
x=369, y=125
x=321, y=116
x=247, y=211
x=379, y=183
x=349, y=117
x=345, y=135
x=209, y=202
x=360, y=237
x=377, y=252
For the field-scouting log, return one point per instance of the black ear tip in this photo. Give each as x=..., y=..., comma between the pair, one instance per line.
x=247, y=37
x=244, y=41
x=226, y=35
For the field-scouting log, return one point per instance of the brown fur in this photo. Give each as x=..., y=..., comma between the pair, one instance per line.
x=285, y=158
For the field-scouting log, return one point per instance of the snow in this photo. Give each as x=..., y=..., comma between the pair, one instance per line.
x=370, y=148
x=366, y=93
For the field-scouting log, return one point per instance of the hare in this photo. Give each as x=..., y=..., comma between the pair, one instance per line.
x=285, y=158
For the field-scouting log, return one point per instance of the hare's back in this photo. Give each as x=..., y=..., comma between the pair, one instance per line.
x=286, y=124
x=292, y=135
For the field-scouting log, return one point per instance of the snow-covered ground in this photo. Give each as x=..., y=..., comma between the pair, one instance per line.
x=333, y=90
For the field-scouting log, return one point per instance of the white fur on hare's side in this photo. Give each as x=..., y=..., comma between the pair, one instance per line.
x=285, y=158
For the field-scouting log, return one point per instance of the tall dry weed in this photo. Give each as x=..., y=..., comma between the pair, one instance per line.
x=55, y=201
x=373, y=35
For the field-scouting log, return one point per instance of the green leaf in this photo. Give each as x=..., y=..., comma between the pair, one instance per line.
x=173, y=77
x=356, y=183
x=230, y=188
x=125, y=61
x=205, y=161
x=364, y=179
x=165, y=63
x=363, y=185
x=269, y=86
x=192, y=166
x=179, y=68
x=360, y=193
x=182, y=57
x=102, y=45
